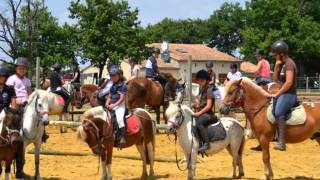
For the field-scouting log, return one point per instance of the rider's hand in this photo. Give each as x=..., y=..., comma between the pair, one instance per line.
x=110, y=107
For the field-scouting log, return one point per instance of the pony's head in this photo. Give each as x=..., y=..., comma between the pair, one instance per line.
x=92, y=131
x=177, y=114
x=12, y=125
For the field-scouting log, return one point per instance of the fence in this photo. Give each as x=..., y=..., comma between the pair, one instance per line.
x=308, y=83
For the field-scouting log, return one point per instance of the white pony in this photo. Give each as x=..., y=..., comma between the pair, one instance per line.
x=180, y=122
x=40, y=104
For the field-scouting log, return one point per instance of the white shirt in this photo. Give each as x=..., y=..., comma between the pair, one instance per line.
x=234, y=76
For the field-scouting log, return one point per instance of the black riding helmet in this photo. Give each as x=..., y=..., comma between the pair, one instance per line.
x=209, y=64
x=155, y=50
x=21, y=61
x=203, y=75
x=279, y=47
x=3, y=71
x=56, y=67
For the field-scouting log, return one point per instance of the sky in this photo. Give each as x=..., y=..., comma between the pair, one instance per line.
x=150, y=11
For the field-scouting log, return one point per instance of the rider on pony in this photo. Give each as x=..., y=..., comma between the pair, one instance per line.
x=116, y=100
x=76, y=75
x=22, y=87
x=262, y=74
x=204, y=115
x=285, y=71
x=104, y=87
x=152, y=72
x=135, y=68
x=56, y=85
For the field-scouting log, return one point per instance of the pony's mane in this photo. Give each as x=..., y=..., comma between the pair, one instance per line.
x=174, y=108
x=90, y=87
x=248, y=82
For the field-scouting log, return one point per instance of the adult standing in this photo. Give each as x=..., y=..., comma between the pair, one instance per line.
x=209, y=66
x=262, y=73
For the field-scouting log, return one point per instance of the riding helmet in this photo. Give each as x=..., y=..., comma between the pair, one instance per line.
x=3, y=71
x=155, y=50
x=209, y=64
x=74, y=62
x=279, y=47
x=21, y=61
x=56, y=67
x=203, y=74
x=114, y=70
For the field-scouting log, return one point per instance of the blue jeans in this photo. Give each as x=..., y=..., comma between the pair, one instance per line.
x=283, y=105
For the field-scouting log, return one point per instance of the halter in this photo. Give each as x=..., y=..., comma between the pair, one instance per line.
x=10, y=132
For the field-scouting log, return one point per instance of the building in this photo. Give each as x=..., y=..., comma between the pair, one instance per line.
x=200, y=54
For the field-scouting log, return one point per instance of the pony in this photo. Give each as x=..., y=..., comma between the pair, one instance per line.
x=10, y=126
x=254, y=100
x=87, y=94
x=40, y=104
x=98, y=132
x=180, y=121
x=143, y=91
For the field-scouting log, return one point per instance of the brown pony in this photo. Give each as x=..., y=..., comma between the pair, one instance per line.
x=143, y=91
x=254, y=101
x=9, y=136
x=98, y=133
x=87, y=94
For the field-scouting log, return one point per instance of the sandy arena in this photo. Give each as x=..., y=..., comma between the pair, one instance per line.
x=301, y=161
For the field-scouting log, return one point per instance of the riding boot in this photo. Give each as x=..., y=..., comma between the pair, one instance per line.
x=67, y=102
x=204, y=134
x=167, y=96
x=281, y=146
x=122, y=136
x=45, y=136
x=20, y=161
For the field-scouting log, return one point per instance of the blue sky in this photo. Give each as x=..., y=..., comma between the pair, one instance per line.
x=151, y=11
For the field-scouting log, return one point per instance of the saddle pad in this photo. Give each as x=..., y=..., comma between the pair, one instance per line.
x=216, y=132
x=298, y=115
x=133, y=125
x=60, y=100
x=97, y=112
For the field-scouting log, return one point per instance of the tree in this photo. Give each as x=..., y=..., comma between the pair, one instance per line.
x=48, y=40
x=225, y=25
x=178, y=31
x=8, y=29
x=109, y=31
x=295, y=21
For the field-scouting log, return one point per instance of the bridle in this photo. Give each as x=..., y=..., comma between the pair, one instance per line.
x=10, y=132
x=238, y=101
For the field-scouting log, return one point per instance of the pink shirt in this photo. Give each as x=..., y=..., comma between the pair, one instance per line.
x=265, y=69
x=20, y=86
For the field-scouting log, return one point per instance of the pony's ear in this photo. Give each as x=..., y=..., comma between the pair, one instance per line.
x=239, y=82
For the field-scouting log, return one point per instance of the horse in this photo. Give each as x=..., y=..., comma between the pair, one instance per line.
x=10, y=126
x=180, y=121
x=98, y=132
x=255, y=101
x=40, y=104
x=87, y=94
x=143, y=91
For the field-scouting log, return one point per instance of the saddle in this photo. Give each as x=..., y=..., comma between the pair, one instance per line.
x=132, y=123
x=216, y=132
x=296, y=116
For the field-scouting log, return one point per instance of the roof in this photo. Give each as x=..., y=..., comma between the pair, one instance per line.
x=248, y=67
x=199, y=52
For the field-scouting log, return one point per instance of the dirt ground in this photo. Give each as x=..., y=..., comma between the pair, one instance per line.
x=301, y=161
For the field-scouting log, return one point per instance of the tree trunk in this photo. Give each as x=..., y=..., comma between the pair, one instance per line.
x=101, y=67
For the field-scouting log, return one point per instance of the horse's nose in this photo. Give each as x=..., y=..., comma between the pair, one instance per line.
x=224, y=110
x=170, y=130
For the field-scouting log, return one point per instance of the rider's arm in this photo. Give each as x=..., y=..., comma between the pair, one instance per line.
x=75, y=76
x=108, y=99
x=13, y=98
x=277, y=69
x=206, y=109
x=259, y=66
x=122, y=98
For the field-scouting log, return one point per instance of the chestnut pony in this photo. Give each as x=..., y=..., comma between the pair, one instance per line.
x=99, y=135
x=143, y=91
x=254, y=101
x=9, y=136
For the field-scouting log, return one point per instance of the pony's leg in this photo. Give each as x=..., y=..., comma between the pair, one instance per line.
x=142, y=152
x=150, y=149
x=37, y=147
x=157, y=110
x=109, y=148
x=234, y=161
x=318, y=140
x=104, y=169
x=8, y=168
x=266, y=157
x=192, y=164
